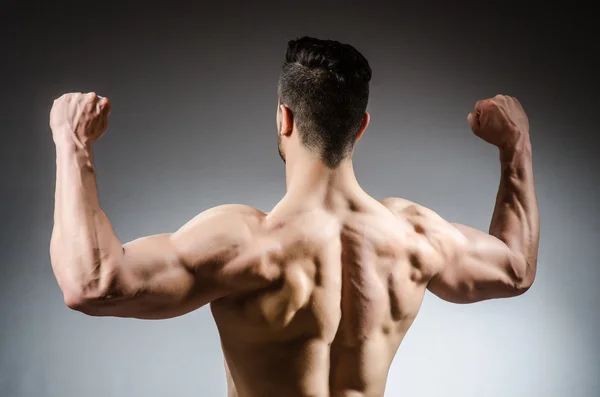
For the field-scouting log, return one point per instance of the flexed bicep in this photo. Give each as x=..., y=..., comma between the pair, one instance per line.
x=477, y=267
x=463, y=264
x=168, y=275
x=149, y=281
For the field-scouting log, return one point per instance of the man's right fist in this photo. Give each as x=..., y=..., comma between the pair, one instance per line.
x=79, y=119
x=500, y=121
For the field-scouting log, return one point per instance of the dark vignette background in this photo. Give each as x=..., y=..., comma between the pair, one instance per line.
x=193, y=90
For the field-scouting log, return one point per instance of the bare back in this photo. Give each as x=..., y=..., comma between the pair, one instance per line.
x=349, y=289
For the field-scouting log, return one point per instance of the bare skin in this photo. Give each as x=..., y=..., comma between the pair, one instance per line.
x=314, y=297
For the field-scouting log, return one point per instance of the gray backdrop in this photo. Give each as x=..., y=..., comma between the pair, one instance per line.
x=193, y=126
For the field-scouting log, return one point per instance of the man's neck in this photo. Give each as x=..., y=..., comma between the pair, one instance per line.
x=311, y=182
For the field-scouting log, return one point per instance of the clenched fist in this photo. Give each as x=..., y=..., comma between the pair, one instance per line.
x=500, y=121
x=79, y=119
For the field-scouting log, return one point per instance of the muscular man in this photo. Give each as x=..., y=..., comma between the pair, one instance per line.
x=314, y=297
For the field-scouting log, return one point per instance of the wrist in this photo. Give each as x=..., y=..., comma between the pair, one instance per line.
x=66, y=140
x=70, y=151
x=65, y=147
x=521, y=147
x=65, y=143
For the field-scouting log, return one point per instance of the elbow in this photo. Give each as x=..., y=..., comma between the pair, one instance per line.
x=521, y=287
x=75, y=301
x=86, y=297
x=81, y=300
x=523, y=283
x=84, y=302
x=521, y=273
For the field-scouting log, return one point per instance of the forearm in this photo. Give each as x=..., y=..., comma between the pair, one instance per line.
x=84, y=246
x=516, y=220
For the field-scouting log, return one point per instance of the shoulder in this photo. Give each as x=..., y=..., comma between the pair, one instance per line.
x=219, y=232
x=434, y=239
x=225, y=245
x=409, y=210
x=239, y=210
x=429, y=222
x=236, y=217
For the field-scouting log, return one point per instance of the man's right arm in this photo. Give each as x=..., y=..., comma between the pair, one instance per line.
x=464, y=264
x=502, y=263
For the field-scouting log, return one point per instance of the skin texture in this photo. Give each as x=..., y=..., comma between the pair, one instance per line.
x=314, y=297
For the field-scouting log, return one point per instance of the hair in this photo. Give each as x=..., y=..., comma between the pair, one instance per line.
x=325, y=84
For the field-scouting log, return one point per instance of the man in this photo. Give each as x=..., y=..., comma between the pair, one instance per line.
x=314, y=297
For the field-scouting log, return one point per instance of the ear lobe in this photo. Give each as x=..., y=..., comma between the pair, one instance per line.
x=363, y=125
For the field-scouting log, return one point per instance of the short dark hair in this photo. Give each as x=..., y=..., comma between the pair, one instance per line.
x=325, y=84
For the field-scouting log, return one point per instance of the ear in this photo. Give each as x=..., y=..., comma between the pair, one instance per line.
x=287, y=120
x=363, y=125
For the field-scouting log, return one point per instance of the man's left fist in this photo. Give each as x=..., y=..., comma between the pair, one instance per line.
x=500, y=121
x=79, y=119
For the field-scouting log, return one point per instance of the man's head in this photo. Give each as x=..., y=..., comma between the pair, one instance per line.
x=323, y=92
